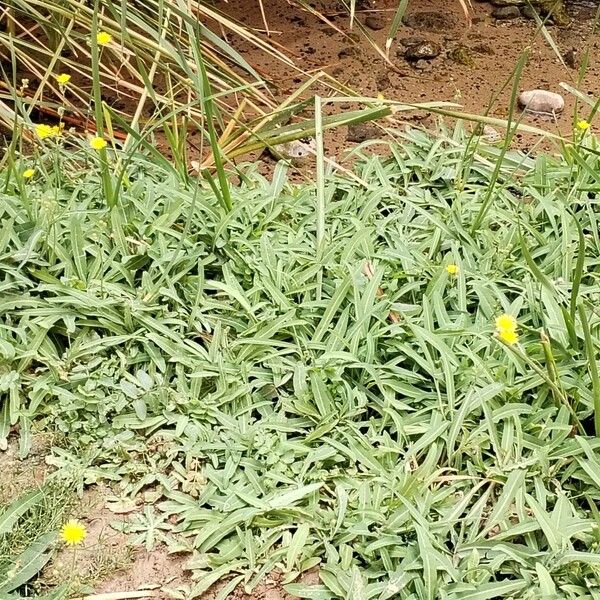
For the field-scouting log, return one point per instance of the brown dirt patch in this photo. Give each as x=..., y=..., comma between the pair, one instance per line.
x=473, y=65
x=20, y=476
x=108, y=561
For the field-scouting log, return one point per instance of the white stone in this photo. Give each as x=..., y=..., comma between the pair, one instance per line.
x=490, y=135
x=541, y=101
x=295, y=150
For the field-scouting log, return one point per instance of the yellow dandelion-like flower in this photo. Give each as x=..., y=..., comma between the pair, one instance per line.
x=583, y=125
x=452, y=269
x=44, y=131
x=73, y=532
x=103, y=38
x=63, y=78
x=506, y=323
x=510, y=336
x=380, y=97
x=98, y=143
x=28, y=173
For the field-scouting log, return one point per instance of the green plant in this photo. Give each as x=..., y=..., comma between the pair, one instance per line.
x=301, y=379
x=27, y=531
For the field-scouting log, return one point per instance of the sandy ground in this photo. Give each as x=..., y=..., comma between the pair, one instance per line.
x=474, y=66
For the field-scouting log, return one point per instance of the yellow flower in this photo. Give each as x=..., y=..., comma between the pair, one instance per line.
x=103, y=38
x=510, y=336
x=63, y=78
x=28, y=173
x=452, y=269
x=380, y=97
x=47, y=131
x=73, y=532
x=506, y=323
x=98, y=143
x=583, y=125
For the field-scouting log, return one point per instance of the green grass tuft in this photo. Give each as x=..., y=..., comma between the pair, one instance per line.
x=348, y=408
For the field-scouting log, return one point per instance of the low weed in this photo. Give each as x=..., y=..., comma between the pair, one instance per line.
x=314, y=377
x=28, y=531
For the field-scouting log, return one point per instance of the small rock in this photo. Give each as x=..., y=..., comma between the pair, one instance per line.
x=528, y=12
x=425, y=50
x=462, y=55
x=349, y=51
x=490, y=135
x=438, y=22
x=505, y=13
x=571, y=59
x=423, y=65
x=362, y=132
x=412, y=40
x=509, y=2
x=483, y=49
x=297, y=151
x=374, y=22
x=541, y=101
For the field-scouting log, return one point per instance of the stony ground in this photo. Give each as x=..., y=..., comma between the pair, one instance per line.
x=437, y=55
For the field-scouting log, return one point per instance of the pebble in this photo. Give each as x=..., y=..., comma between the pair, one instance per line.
x=362, y=132
x=296, y=151
x=505, y=13
x=425, y=50
x=375, y=23
x=423, y=65
x=571, y=59
x=528, y=12
x=541, y=101
x=383, y=81
x=490, y=135
x=348, y=51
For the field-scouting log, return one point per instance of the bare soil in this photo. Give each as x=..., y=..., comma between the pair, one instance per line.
x=473, y=68
x=108, y=561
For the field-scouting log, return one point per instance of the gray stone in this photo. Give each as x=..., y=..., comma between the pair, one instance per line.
x=423, y=65
x=541, y=101
x=490, y=135
x=571, y=58
x=424, y=50
x=362, y=132
x=374, y=22
x=528, y=12
x=297, y=151
x=505, y=13
x=349, y=51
